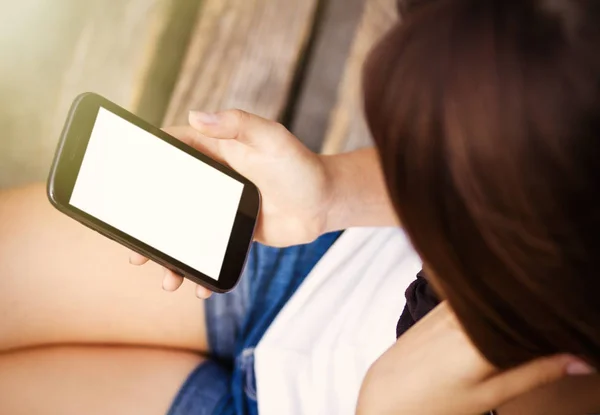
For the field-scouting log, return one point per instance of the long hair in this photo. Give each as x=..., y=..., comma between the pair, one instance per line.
x=487, y=117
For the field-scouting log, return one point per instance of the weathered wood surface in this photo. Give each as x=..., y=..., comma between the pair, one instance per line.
x=347, y=129
x=109, y=47
x=337, y=26
x=161, y=58
x=243, y=54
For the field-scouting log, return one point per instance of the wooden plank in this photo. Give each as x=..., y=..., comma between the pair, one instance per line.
x=336, y=30
x=347, y=129
x=243, y=54
x=105, y=47
x=167, y=58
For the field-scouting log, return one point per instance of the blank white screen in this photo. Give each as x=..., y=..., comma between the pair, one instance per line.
x=156, y=193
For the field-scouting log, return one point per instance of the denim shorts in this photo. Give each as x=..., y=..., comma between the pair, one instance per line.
x=225, y=384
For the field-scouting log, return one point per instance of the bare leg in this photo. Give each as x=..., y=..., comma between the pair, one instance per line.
x=63, y=284
x=92, y=381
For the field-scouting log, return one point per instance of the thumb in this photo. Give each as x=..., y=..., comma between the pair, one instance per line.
x=237, y=125
x=532, y=375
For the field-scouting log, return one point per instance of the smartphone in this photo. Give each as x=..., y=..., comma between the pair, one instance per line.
x=139, y=186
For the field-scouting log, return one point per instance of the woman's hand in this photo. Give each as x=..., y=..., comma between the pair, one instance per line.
x=291, y=178
x=296, y=191
x=434, y=369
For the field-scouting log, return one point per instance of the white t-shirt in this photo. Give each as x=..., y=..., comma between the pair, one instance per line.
x=314, y=356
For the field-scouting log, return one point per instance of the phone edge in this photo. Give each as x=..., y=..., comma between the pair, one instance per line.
x=58, y=152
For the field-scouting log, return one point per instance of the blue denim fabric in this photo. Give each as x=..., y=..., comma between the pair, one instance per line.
x=203, y=391
x=226, y=385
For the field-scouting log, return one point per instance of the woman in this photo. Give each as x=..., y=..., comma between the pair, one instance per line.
x=486, y=114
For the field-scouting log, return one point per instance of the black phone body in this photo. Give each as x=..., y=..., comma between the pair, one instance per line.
x=135, y=184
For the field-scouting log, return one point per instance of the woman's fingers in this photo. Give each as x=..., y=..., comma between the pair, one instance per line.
x=171, y=281
x=237, y=125
x=197, y=140
x=137, y=259
x=508, y=385
x=202, y=292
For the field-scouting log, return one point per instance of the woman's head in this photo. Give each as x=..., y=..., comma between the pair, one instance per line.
x=487, y=117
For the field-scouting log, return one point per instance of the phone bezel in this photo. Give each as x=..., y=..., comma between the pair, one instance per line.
x=65, y=169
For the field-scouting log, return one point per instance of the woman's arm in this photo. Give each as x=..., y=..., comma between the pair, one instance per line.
x=435, y=369
x=359, y=195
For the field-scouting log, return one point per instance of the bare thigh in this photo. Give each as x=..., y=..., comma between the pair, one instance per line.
x=74, y=381
x=63, y=284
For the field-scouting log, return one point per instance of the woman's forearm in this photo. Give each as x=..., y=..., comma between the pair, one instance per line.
x=358, y=193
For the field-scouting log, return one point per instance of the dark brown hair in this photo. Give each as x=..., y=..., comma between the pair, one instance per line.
x=487, y=117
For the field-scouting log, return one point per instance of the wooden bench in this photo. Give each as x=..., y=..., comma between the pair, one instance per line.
x=297, y=61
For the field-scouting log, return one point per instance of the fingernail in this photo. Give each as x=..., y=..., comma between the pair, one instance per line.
x=579, y=368
x=204, y=117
